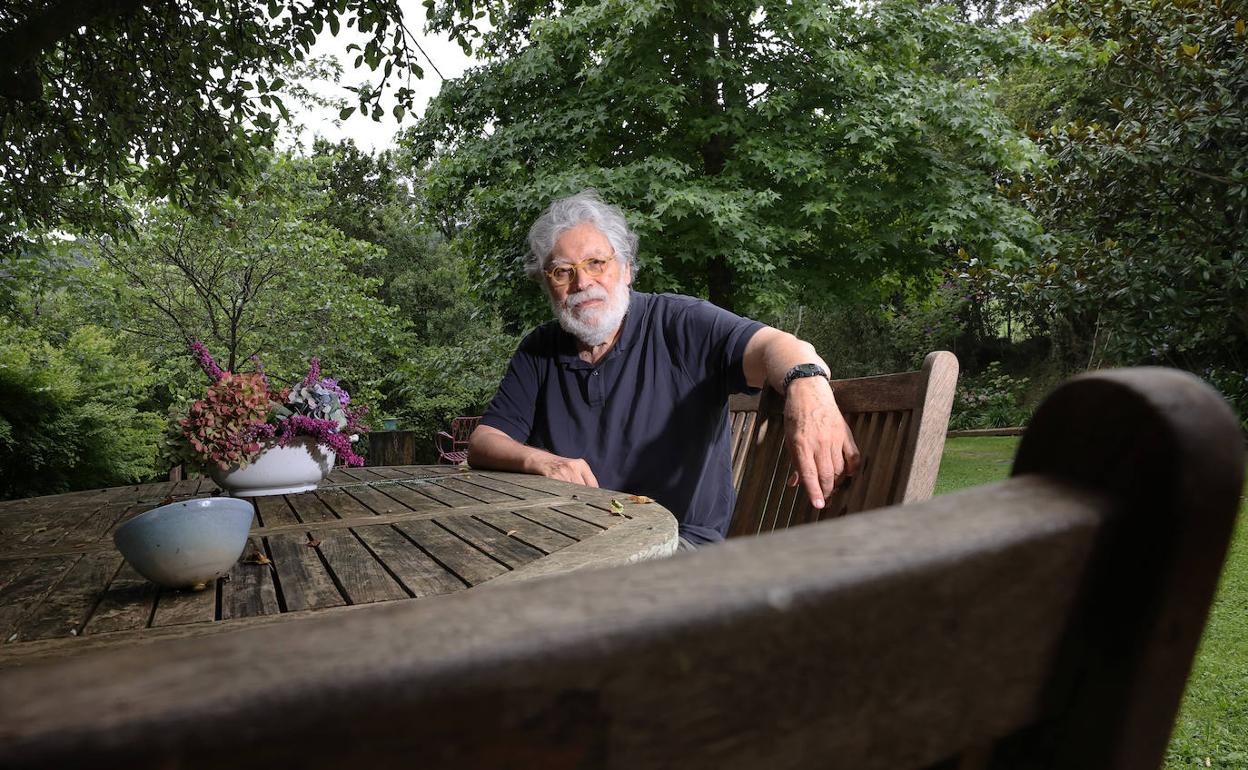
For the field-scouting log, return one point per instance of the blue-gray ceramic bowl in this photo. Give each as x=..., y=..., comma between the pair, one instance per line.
x=186, y=544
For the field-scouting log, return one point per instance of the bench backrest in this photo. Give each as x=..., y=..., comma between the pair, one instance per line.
x=898, y=422
x=1048, y=621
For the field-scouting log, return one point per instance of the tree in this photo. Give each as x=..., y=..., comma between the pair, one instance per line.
x=767, y=151
x=259, y=277
x=428, y=283
x=179, y=97
x=72, y=414
x=1148, y=194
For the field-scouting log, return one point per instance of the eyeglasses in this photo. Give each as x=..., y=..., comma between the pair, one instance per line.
x=593, y=267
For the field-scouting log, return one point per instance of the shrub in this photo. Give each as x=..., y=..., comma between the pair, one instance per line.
x=992, y=399
x=71, y=416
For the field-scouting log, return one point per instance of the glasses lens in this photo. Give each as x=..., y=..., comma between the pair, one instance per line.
x=561, y=275
x=594, y=267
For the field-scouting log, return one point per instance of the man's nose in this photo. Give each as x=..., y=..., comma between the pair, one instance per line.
x=581, y=279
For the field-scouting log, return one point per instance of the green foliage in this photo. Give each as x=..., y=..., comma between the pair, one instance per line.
x=177, y=97
x=258, y=278
x=1147, y=198
x=793, y=149
x=71, y=415
x=437, y=383
x=992, y=399
x=427, y=283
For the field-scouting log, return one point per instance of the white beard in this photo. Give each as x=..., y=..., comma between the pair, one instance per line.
x=593, y=327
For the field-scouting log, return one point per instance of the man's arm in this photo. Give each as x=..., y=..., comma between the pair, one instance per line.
x=491, y=449
x=818, y=438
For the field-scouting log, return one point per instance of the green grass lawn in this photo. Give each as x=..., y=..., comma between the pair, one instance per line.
x=1212, y=727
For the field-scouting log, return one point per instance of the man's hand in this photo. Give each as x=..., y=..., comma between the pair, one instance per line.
x=492, y=449
x=818, y=438
x=553, y=466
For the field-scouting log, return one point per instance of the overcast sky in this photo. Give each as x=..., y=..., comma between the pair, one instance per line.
x=448, y=57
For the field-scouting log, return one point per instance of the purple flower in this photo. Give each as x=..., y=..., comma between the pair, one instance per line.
x=200, y=352
x=314, y=372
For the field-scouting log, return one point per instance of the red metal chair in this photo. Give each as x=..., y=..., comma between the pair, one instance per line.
x=453, y=446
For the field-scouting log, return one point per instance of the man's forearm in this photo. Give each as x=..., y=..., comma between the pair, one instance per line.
x=491, y=449
x=770, y=355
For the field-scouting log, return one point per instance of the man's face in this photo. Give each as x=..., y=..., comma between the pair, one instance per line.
x=590, y=307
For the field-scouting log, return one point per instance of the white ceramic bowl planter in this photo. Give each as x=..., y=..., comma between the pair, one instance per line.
x=186, y=544
x=279, y=470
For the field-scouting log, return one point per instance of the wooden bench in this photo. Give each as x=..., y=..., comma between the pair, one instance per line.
x=898, y=421
x=1048, y=621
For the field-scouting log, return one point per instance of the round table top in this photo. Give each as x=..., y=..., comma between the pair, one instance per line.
x=366, y=535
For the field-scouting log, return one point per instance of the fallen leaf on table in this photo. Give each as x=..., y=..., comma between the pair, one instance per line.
x=512, y=532
x=168, y=499
x=617, y=508
x=312, y=542
x=639, y=499
x=257, y=557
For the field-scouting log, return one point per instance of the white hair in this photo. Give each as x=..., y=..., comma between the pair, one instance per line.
x=565, y=214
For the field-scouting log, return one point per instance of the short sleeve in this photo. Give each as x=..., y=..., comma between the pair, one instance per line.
x=710, y=342
x=513, y=406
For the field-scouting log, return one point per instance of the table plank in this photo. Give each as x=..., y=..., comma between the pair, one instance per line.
x=505, y=486
x=467, y=562
x=250, y=591
x=127, y=604
x=536, y=535
x=302, y=580
x=355, y=570
x=26, y=588
x=447, y=496
x=376, y=499
x=497, y=544
x=175, y=607
x=344, y=505
x=274, y=511
x=465, y=486
x=410, y=495
x=560, y=522
x=416, y=570
x=67, y=607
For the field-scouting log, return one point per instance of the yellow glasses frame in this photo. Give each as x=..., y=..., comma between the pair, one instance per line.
x=593, y=267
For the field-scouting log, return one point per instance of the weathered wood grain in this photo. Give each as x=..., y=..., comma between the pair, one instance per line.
x=64, y=610
x=563, y=523
x=175, y=607
x=250, y=591
x=497, y=544
x=324, y=548
x=544, y=538
x=355, y=571
x=467, y=562
x=302, y=579
x=127, y=604
x=27, y=587
x=417, y=571
x=898, y=423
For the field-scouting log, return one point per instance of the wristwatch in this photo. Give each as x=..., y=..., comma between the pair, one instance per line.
x=804, y=370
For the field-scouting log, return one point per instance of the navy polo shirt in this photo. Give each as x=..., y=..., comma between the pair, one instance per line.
x=651, y=417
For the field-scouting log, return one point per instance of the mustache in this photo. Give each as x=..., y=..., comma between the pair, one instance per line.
x=593, y=292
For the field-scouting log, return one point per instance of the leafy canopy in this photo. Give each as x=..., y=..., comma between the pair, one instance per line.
x=764, y=150
x=1148, y=195
x=178, y=97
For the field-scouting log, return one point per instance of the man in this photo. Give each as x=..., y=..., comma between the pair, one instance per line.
x=629, y=390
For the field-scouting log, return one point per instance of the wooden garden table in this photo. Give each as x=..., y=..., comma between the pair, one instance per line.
x=366, y=535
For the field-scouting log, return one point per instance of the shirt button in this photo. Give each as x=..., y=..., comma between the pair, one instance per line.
x=595, y=374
